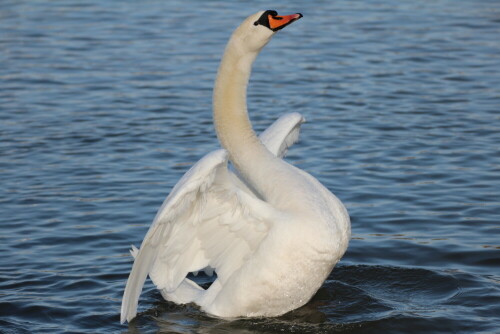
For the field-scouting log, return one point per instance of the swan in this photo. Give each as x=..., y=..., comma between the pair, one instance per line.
x=271, y=231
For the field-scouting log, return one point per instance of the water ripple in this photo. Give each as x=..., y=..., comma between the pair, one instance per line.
x=104, y=106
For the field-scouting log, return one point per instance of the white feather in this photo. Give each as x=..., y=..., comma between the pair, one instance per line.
x=272, y=235
x=213, y=210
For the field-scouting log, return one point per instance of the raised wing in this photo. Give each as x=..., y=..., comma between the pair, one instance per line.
x=210, y=219
x=282, y=134
x=182, y=198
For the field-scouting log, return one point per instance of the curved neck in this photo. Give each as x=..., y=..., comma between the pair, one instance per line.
x=232, y=124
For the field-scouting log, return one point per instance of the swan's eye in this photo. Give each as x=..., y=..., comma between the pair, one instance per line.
x=264, y=18
x=271, y=20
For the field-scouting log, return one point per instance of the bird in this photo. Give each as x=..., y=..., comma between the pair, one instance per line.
x=271, y=231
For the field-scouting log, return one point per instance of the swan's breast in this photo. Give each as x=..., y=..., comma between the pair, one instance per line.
x=282, y=275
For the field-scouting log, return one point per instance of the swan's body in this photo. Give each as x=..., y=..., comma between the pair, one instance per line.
x=271, y=231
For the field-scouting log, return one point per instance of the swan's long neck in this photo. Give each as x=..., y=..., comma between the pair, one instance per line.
x=231, y=120
x=229, y=102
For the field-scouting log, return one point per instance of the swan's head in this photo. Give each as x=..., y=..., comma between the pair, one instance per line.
x=256, y=31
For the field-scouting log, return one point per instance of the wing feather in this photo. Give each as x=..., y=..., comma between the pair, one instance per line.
x=209, y=220
x=282, y=134
x=175, y=205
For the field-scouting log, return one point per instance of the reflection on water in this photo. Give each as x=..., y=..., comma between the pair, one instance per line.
x=104, y=106
x=354, y=299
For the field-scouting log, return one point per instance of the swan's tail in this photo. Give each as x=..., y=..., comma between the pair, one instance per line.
x=187, y=292
x=134, y=251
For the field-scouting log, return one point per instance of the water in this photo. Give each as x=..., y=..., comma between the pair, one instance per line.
x=104, y=105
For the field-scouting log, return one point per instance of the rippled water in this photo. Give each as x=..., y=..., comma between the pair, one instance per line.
x=104, y=105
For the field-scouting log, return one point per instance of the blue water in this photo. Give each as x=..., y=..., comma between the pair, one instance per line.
x=105, y=104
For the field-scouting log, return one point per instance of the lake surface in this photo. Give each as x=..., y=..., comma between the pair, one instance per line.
x=104, y=105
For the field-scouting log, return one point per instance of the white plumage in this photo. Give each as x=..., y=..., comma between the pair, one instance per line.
x=271, y=231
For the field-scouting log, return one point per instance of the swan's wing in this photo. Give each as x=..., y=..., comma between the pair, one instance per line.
x=200, y=176
x=207, y=220
x=282, y=134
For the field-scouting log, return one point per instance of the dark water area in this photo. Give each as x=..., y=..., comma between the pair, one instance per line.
x=105, y=104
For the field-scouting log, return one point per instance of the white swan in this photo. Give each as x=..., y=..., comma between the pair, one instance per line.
x=271, y=231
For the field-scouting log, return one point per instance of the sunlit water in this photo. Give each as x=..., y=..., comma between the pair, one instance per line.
x=104, y=105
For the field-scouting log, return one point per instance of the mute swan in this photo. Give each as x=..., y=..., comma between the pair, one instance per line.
x=271, y=231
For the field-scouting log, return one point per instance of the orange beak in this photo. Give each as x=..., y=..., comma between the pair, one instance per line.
x=279, y=22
